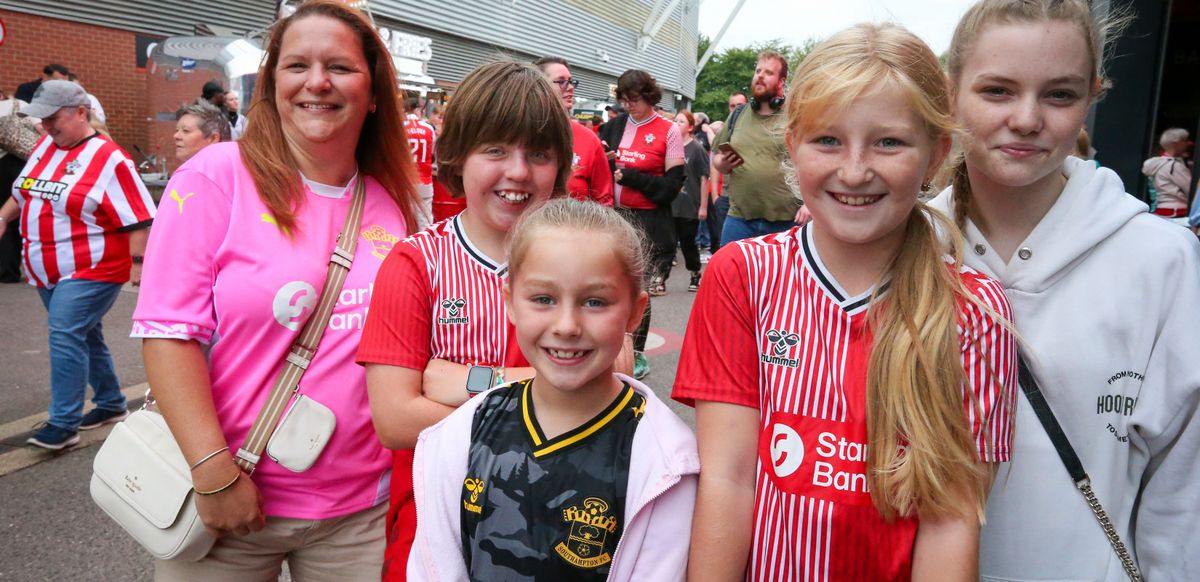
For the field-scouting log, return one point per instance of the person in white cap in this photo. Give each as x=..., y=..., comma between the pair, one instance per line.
x=84, y=214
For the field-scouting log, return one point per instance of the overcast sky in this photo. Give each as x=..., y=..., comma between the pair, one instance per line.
x=795, y=21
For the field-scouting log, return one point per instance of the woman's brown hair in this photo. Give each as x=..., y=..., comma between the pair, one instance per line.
x=922, y=455
x=503, y=102
x=640, y=84
x=382, y=150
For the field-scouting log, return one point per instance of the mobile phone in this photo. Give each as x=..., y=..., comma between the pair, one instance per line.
x=479, y=378
x=727, y=149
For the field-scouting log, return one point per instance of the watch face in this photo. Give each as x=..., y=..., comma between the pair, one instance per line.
x=479, y=378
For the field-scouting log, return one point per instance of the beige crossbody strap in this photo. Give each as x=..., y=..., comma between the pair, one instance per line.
x=305, y=347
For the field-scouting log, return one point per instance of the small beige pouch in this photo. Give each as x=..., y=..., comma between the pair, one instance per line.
x=302, y=435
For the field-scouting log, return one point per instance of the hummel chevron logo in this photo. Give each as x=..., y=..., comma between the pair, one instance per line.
x=782, y=341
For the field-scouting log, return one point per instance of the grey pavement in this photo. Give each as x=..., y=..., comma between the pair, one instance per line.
x=49, y=527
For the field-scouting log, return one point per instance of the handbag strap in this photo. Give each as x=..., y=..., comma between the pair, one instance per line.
x=305, y=347
x=1070, y=460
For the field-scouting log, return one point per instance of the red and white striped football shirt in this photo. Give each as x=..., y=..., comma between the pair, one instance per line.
x=75, y=204
x=420, y=143
x=438, y=297
x=646, y=146
x=796, y=346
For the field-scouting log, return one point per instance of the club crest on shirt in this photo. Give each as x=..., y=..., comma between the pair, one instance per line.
x=471, y=490
x=779, y=344
x=455, y=311
x=590, y=526
x=72, y=167
x=381, y=241
x=650, y=138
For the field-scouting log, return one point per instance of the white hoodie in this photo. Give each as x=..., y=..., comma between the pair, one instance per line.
x=1108, y=305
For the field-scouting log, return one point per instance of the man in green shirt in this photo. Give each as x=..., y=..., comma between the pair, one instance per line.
x=751, y=150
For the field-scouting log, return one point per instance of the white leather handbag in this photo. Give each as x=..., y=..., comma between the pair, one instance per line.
x=141, y=480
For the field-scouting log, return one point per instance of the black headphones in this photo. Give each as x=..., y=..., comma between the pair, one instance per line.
x=775, y=103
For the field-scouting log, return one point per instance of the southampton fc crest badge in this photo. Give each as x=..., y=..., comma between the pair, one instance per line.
x=590, y=526
x=72, y=167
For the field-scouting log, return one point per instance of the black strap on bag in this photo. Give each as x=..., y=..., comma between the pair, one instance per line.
x=1070, y=460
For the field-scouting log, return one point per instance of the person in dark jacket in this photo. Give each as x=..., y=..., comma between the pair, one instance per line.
x=648, y=171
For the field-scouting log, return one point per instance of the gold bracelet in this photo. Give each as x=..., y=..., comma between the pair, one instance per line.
x=221, y=488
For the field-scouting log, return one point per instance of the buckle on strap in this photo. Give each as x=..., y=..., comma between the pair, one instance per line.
x=247, y=456
x=341, y=257
x=298, y=360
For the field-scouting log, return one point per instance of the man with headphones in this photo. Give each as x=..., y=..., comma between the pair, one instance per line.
x=751, y=150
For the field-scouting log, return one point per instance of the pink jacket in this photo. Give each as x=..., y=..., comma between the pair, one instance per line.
x=663, y=472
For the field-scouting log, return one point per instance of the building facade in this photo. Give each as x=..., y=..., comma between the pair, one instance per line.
x=106, y=43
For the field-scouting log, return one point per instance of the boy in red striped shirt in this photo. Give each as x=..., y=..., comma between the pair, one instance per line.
x=437, y=309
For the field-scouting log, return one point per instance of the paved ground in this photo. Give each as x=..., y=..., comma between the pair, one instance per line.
x=49, y=527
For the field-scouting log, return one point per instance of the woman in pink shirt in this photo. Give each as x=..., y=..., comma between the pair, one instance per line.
x=235, y=262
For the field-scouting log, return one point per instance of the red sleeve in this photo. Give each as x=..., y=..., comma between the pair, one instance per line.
x=398, y=329
x=127, y=194
x=989, y=355
x=719, y=360
x=601, y=179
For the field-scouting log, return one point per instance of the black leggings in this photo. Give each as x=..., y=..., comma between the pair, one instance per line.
x=685, y=231
x=659, y=229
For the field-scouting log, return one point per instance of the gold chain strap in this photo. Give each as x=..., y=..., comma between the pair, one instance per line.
x=1085, y=487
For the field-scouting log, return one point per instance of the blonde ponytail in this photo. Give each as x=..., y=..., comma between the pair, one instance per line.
x=915, y=384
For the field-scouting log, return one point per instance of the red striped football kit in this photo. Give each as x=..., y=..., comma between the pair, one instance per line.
x=646, y=146
x=796, y=346
x=420, y=143
x=437, y=296
x=77, y=206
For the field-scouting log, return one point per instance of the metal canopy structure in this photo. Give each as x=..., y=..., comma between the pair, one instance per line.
x=712, y=46
x=655, y=21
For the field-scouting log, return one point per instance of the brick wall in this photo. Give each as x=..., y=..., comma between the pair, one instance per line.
x=103, y=58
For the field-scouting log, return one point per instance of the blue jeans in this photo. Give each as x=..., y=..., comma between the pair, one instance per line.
x=739, y=228
x=717, y=210
x=78, y=355
x=702, y=238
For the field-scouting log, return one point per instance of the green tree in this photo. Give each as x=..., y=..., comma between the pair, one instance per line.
x=732, y=69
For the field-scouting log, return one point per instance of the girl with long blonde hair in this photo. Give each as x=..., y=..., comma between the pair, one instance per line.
x=850, y=429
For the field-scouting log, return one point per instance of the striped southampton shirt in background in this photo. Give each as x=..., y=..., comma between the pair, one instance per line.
x=646, y=146
x=771, y=329
x=75, y=206
x=438, y=297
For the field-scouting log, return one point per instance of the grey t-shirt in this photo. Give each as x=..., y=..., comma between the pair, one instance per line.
x=695, y=167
